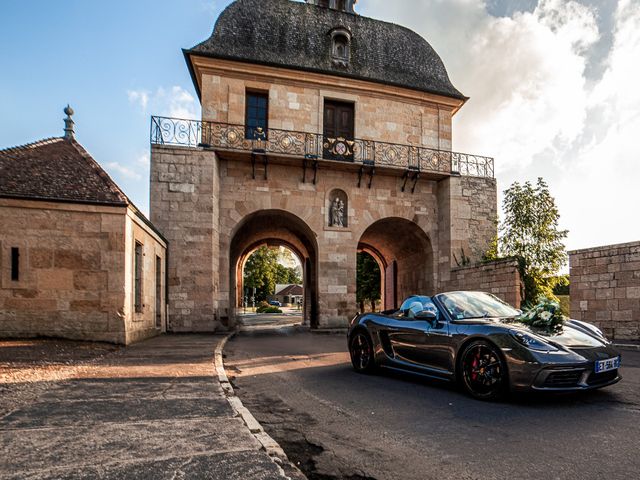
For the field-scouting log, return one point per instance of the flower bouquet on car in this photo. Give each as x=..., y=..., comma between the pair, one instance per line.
x=545, y=315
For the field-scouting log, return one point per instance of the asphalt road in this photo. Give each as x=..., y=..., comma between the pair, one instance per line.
x=336, y=424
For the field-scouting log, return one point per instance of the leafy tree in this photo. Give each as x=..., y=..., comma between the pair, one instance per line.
x=260, y=272
x=263, y=271
x=287, y=275
x=530, y=232
x=368, y=281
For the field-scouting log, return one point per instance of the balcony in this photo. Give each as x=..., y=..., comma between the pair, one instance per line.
x=275, y=143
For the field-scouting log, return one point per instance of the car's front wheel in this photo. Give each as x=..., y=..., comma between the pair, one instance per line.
x=361, y=351
x=483, y=372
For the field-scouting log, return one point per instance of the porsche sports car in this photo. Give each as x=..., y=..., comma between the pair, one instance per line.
x=473, y=338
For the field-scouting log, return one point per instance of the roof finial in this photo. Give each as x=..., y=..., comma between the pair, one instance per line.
x=69, y=132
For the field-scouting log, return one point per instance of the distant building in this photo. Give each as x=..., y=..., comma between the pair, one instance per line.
x=77, y=259
x=289, y=294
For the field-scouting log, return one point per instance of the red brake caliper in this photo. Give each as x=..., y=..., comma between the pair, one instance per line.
x=474, y=367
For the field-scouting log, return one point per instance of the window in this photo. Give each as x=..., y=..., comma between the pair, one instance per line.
x=158, y=292
x=138, y=260
x=340, y=5
x=257, y=116
x=15, y=264
x=341, y=47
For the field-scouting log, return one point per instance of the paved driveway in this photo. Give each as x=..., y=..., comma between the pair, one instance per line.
x=152, y=411
x=335, y=423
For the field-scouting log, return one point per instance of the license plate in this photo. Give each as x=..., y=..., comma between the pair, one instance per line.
x=608, y=365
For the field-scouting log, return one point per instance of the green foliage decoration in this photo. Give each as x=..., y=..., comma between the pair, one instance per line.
x=545, y=315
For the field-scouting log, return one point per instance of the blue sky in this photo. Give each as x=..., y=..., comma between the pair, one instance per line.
x=553, y=87
x=91, y=54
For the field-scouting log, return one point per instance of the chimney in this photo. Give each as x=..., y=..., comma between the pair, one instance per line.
x=69, y=132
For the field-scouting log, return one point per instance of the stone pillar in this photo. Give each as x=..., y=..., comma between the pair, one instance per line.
x=185, y=208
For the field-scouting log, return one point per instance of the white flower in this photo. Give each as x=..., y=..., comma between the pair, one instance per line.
x=545, y=316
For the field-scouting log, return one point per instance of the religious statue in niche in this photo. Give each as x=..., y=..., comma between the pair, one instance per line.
x=337, y=216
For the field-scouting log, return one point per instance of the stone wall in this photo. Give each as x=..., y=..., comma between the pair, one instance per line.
x=296, y=102
x=72, y=272
x=605, y=289
x=145, y=323
x=184, y=207
x=502, y=278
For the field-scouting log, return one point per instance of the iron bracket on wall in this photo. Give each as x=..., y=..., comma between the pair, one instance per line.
x=413, y=175
x=315, y=171
x=305, y=165
x=372, y=172
x=265, y=160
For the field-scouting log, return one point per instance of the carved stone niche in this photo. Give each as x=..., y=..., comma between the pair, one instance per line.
x=338, y=209
x=341, y=47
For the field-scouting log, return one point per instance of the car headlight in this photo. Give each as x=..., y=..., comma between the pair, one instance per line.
x=532, y=343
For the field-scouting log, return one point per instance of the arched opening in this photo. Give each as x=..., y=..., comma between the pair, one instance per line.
x=369, y=295
x=404, y=255
x=274, y=229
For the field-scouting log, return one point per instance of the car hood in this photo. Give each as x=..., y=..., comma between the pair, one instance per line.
x=574, y=334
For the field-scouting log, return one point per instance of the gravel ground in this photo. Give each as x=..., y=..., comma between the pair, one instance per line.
x=29, y=367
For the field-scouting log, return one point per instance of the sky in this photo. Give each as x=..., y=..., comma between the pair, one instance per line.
x=554, y=88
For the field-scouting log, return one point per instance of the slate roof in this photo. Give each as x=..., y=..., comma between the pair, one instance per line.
x=291, y=290
x=296, y=35
x=56, y=169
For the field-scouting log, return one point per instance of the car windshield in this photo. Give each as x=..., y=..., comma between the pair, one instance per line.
x=468, y=305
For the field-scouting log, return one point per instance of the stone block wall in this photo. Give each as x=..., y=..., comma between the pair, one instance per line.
x=502, y=278
x=145, y=323
x=185, y=208
x=605, y=289
x=297, y=103
x=75, y=272
x=71, y=275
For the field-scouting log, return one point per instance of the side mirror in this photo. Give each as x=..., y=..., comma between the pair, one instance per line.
x=427, y=315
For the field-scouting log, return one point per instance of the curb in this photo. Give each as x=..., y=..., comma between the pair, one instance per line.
x=269, y=445
x=627, y=346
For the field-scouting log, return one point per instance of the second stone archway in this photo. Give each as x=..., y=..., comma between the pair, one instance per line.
x=405, y=256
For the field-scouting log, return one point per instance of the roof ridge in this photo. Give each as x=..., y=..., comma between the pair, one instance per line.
x=100, y=172
x=27, y=146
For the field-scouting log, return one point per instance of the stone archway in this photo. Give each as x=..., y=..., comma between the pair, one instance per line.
x=405, y=256
x=275, y=228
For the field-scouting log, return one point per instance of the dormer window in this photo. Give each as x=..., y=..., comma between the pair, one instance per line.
x=341, y=47
x=340, y=5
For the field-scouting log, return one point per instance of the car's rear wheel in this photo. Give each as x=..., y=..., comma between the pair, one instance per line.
x=361, y=351
x=483, y=372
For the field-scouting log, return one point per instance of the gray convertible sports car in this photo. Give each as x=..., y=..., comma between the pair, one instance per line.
x=473, y=338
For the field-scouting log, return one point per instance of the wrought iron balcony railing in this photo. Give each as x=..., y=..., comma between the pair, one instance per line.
x=194, y=133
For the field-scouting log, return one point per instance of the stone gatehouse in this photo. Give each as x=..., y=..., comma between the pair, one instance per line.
x=306, y=106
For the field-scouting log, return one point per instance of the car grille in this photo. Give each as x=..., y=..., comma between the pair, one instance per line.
x=563, y=379
x=605, y=377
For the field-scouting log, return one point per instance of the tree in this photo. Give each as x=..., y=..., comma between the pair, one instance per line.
x=368, y=281
x=530, y=232
x=263, y=271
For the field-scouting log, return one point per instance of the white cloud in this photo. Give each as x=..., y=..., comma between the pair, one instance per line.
x=171, y=102
x=139, y=97
x=124, y=171
x=533, y=106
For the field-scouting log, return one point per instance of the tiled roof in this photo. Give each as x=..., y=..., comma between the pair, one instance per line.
x=59, y=170
x=297, y=35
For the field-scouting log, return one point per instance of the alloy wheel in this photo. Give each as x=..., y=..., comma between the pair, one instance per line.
x=483, y=372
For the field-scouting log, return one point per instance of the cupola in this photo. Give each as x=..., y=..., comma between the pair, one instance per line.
x=342, y=5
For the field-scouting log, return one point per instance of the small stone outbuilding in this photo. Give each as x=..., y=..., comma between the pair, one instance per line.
x=77, y=259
